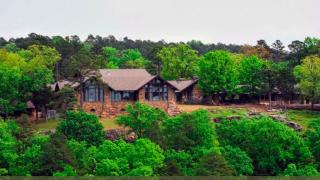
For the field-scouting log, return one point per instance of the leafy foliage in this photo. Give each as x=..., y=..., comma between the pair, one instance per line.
x=271, y=145
x=308, y=74
x=217, y=73
x=143, y=119
x=82, y=127
x=178, y=62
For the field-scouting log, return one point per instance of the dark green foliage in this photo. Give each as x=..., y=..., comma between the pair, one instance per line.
x=313, y=139
x=177, y=163
x=64, y=99
x=56, y=155
x=82, y=126
x=271, y=145
x=214, y=164
x=238, y=160
x=188, y=130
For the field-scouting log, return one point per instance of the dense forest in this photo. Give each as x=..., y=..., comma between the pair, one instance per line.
x=188, y=144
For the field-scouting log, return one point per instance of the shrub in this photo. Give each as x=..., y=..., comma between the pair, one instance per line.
x=82, y=127
x=271, y=145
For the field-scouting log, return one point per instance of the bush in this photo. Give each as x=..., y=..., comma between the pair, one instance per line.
x=144, y=120
x=82, y=127
x=238, y=160
x=188, y=130
x=271, y=145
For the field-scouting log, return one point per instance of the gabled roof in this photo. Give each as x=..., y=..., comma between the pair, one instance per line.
x=125, y=79
x=60, y=84
x=181, y=85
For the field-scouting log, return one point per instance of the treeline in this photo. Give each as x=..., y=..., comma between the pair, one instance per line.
x=189, y=144
x=28, y=65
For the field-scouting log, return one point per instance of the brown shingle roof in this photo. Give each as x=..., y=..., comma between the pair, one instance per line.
x=182, y=84
x=125, y=79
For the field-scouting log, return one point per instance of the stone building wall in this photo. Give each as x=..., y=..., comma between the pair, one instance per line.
x=110, y=109
x=197, y=94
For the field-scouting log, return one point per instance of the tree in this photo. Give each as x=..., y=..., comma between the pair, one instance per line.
x=308, y=170
x=271, y=145
x=8, y=147
x=238, y=160
x=313, y=139
x=65, y=99
x=120, y=158
x=82, y=127
x=82, y=65
x=144, y=120
x=56, y=155
x=178, y=62
x=260, y=50
x=217, y=74
x=250, y=74
x=133, y=59
x=308, y=75
x=10, y=97
x=188, y=130
x=278, y=52
x=213, y=164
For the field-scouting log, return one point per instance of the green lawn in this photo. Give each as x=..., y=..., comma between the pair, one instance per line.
x=49, y=125
x=109, y=124
x=53, y=123
x=216, y=111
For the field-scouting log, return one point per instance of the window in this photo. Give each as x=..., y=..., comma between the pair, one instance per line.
x=156, y=90
x=122, y=95
x=93, y=93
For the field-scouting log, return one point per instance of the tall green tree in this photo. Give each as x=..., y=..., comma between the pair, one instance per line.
x=217, y=74
x=308, y=75
x=251, y=74
x=81, y=66
x=144, y=120
x=178, y=61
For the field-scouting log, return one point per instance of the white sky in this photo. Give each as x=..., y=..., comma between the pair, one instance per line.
x=211, y=21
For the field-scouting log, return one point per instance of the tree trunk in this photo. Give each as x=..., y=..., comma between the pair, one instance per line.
x=312, y=105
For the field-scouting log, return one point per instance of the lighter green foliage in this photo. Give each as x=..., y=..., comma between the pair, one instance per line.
x=120, y=158
x=308, y=74
x=217, y=73
x=113, y=59
x=178, y=62
x=251, y=74
x=142, y=118
x=8, y=147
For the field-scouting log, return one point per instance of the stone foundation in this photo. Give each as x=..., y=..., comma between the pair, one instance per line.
x=109, y=109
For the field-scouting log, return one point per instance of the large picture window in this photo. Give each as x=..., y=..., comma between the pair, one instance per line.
x=156, y=90
x=93, y=93
x=122, y=95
